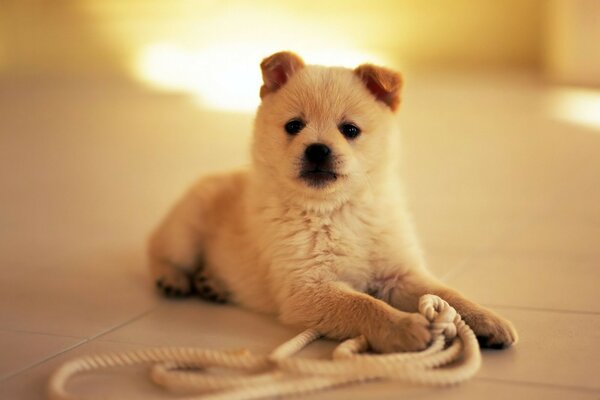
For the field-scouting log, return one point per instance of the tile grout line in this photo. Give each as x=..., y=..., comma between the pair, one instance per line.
x=28, y=332
x=582, y=389
x=76, y=345
x=541, y=309
x=39, y=362
x=510, y=383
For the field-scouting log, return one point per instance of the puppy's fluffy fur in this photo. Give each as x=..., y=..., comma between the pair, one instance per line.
x=326, y=244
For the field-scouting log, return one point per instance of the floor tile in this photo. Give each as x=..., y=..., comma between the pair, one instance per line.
x=484, y=161
x=476, y=389
x=568, y=240
x=193, y=322
x=554, y=348
x=19, y=350
x=506, y=201
x=33, y=383
x=466, y=232
x=80, y=302
x=529, y=282
x=442, y=261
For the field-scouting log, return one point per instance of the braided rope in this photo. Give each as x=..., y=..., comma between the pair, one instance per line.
x=178, y=369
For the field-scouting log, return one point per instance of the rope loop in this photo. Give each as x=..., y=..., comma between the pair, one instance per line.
x=452, y=357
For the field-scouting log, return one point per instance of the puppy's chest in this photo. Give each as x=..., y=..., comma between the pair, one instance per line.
x=339, y=243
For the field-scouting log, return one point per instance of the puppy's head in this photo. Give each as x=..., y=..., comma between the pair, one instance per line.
x=323, y=131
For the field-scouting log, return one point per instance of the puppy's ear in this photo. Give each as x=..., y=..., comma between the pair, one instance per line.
x=383, y=83
x=277, y=69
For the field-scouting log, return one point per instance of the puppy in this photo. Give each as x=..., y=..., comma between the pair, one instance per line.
x=316, y=231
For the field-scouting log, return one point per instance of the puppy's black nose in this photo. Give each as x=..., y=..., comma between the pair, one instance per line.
x=317, y=153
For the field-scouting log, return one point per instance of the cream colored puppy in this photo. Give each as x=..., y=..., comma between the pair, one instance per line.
x=316, y=231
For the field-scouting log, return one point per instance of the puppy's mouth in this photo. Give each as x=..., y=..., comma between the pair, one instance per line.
x=318, y=177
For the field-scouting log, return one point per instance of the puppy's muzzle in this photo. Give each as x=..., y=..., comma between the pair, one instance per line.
x=317, y=165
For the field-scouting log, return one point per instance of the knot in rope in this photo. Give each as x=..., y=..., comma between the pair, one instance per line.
x=442, y=316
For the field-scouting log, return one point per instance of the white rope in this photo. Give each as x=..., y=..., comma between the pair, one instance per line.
x=454, y=347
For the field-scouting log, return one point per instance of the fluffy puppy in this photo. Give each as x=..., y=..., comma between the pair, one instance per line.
x=316, y=231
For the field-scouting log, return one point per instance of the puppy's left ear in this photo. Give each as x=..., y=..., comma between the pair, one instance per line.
x=383, y=83
x=277, y=69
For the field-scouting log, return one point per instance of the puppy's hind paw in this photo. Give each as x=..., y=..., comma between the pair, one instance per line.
x=208, y=289
x=175, y=286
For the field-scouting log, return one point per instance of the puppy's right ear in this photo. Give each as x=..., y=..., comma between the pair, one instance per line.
x=277, y=69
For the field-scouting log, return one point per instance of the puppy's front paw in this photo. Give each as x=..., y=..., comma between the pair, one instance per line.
x=492, y=331
x=407, y=333
x=175, y=283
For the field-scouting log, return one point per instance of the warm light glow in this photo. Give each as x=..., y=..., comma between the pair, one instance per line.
x=223, y=72
x=225, y=76
x=580, y=106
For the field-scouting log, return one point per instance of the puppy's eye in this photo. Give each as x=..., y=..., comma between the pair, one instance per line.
x=294, y=126
x=349, y=130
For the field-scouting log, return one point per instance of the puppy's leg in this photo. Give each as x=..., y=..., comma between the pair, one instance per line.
x=492, y=330
x=338, y=311
x=175, y=247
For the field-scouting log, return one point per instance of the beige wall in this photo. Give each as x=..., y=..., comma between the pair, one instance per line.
x=572, y=51
x=92, y=36
x=46, y=36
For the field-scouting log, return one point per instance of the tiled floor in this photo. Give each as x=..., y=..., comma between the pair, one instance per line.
x=506, y=197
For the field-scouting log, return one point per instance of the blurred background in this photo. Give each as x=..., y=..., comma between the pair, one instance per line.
x=109, y=109
x=211, y=48
x=111, y=97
